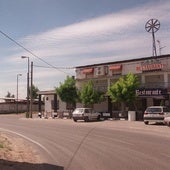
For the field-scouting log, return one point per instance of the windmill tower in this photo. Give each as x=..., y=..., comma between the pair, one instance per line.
x=152, y=26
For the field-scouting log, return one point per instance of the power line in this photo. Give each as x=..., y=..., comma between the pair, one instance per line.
x=57, y=67
x=29, y=51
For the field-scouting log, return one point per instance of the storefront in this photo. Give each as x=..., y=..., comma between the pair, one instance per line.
x=153, y=96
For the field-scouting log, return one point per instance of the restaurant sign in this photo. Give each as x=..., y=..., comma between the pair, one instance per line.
x=150, y=65
x=146, y=92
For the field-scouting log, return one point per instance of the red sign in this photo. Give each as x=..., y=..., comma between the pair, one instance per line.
x=115, y=67
x=150, y=67
x=87, y=70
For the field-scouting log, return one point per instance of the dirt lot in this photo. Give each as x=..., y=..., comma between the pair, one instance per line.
x=16, y=154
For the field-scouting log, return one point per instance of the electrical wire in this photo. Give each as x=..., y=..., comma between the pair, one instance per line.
x=29, y=51
x=57, y=67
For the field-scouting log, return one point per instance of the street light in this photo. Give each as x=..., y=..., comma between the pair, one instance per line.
x=17, y=91
x=23, y=57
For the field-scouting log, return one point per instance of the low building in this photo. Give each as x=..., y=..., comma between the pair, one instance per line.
x=52, y=104
x=153, y=74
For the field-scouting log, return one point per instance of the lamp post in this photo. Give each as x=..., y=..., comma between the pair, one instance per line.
x=17, y=91
x=31, y=89
x=23, y=57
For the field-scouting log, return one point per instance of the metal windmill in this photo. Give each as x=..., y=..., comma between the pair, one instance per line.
x=153, y=26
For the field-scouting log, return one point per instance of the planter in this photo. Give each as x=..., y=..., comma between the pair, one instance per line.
x=131, y=115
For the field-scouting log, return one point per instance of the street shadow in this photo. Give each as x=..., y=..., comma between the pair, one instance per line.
x=10, y=165
x=157, y=124
x=90, y=121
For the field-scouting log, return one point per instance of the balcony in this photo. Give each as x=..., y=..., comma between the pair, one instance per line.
x=155, y=85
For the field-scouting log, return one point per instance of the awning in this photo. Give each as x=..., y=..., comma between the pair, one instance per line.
x=87, y=70
x=115, y=67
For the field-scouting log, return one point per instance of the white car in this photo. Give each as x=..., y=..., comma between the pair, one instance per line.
x=85, y=114
x=155, y=114
x=167, y=119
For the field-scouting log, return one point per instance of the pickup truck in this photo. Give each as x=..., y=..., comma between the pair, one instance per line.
x=85, y=114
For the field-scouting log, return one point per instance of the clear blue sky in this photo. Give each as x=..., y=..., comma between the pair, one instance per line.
x=69, y=33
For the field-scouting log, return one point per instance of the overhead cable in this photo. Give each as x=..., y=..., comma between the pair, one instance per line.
x=29, y=51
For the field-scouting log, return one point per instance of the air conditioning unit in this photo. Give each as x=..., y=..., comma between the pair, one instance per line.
x=100, y=71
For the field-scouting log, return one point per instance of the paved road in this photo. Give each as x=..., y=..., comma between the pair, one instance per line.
x=104, y=145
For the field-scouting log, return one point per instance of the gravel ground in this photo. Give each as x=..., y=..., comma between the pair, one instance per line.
x=16, y=154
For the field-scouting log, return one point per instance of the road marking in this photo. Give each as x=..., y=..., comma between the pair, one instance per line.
x=29, y=139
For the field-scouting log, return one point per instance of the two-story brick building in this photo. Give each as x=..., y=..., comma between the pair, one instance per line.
x=153, y=74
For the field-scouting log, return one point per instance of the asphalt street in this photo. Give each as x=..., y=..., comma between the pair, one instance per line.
x=103, y=145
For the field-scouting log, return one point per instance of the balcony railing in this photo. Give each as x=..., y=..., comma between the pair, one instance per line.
x=163, y=85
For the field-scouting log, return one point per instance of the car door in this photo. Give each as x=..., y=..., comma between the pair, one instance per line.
x=94, y=115
x=87, y=113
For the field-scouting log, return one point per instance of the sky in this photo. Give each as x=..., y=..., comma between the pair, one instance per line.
x=69, y=33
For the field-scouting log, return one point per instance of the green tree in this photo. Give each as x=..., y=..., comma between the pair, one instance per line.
x=34, y=92
x=89, y=96
x=67, y=91
x=123, y=90
x=9, y=95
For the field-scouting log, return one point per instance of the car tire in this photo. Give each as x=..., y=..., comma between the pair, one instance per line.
x=75, y=120
x=146, y=122
x=98, y=117
x=86, y=119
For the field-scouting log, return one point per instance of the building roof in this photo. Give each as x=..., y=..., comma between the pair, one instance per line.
x=47, y=92
x=126, y=61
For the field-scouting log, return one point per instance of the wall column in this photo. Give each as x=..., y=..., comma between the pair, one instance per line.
x=166, y=79
x=55, y=102
x=143, y=79
x=39, y=103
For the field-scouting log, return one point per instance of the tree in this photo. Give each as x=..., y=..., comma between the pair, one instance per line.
x=34, y=92
x=68, y=91
x=89, y=96
x=9, y=95
x=124, y=90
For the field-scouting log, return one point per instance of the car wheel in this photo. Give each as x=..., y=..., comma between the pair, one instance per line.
x=86, y=119
x=98, y=118
x=146, y=123
x=75, y=120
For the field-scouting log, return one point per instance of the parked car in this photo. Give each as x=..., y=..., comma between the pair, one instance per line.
x=85, y=114
x=167, y=119
x=155, y=114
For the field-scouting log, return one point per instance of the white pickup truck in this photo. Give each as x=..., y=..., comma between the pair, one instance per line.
x=85, y=114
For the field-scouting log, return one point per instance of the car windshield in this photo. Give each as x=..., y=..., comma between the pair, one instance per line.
x=151, y=109
x=78, y=111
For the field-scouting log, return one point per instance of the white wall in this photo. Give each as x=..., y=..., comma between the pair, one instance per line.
x=48, y=106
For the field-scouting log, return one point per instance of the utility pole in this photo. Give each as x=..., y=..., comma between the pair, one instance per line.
x=17, y=93
x=28, y=94
x=31, y=90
